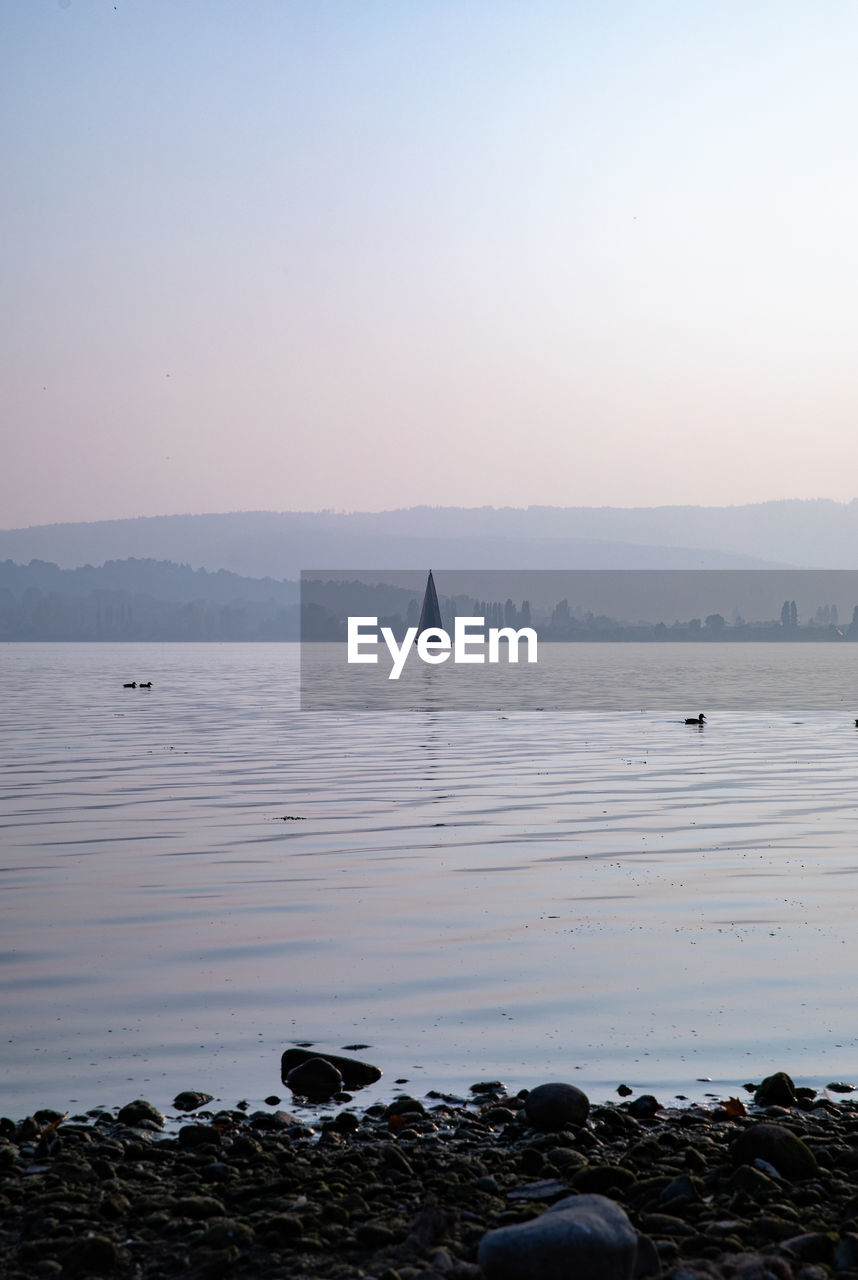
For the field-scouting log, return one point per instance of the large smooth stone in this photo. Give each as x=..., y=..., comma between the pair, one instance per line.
x=583, y=1237
x=355, y=1074
x=778, y=1146
x=552, y=1106
x=316, y=1078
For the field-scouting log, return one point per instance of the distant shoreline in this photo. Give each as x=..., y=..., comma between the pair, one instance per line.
x=807, y=637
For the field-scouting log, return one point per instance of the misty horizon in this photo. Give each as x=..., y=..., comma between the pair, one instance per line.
x=335, y=512
x=797, y=534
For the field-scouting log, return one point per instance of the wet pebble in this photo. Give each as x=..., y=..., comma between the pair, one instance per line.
x=316, y=1078
x=189, y=1100
x=140, y=1113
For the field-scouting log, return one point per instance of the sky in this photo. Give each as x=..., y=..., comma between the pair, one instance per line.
x=377, y=253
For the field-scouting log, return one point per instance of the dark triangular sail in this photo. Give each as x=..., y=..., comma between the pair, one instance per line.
x=430, y=614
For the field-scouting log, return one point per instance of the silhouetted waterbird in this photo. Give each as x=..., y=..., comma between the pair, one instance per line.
x=701, y=719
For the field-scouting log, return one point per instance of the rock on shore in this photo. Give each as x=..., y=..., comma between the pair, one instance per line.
x=587, y=1236
x=425, y=1190
x=353, y=1073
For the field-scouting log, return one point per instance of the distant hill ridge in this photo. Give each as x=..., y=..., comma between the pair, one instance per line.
x=817, y=533
x=160, y=579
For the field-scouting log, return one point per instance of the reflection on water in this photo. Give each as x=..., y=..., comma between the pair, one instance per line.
x=197, y=875
x=769, y=678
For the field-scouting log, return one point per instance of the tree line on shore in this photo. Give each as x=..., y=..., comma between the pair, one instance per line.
x=145, y=600
x=565, y=624
x=142, y=600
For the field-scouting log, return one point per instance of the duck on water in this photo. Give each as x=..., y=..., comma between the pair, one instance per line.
x=701, y=719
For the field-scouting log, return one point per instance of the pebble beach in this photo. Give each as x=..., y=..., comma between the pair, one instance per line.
x=764, y=1187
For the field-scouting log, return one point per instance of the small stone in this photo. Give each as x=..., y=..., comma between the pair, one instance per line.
x=839, y=1086
x=114, y=1207
x=813, y=1246
x=226, y=1233
x=530, y=1160
x=776, y=1090
x=244, y=1147
x=346, y=1122
x=566, y=1158
x=546, y=1189
x=624, y=1091
x=272, y=1121
x=665, y=1224
x=375, y=1235
x=497, y=1116
x=27, y=1130
x=192, y=1136
x=603, y=1179
x=754, y=1181
x=617, y=1121
x=285, y=1225
x=552, y=1106
x=47, y=1115
x=488, y=1184
x=770, y=1228
x=136, y=1113
x=272, y=1100
x=94, y=1255
x=644, y=1108
x=811, y=1271
x=199, y=1207
x=767, y=1169
x=405, y=1106
x=394, y=1158
x=846, y=1252
x=683, y=1189
x=188, y=1100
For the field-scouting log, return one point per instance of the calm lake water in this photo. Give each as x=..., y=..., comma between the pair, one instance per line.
x=200, y=875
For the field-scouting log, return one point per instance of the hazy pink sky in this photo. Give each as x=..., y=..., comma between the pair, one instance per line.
x=363, y=255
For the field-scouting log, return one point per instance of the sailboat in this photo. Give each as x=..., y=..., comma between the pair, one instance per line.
x=430, y=614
